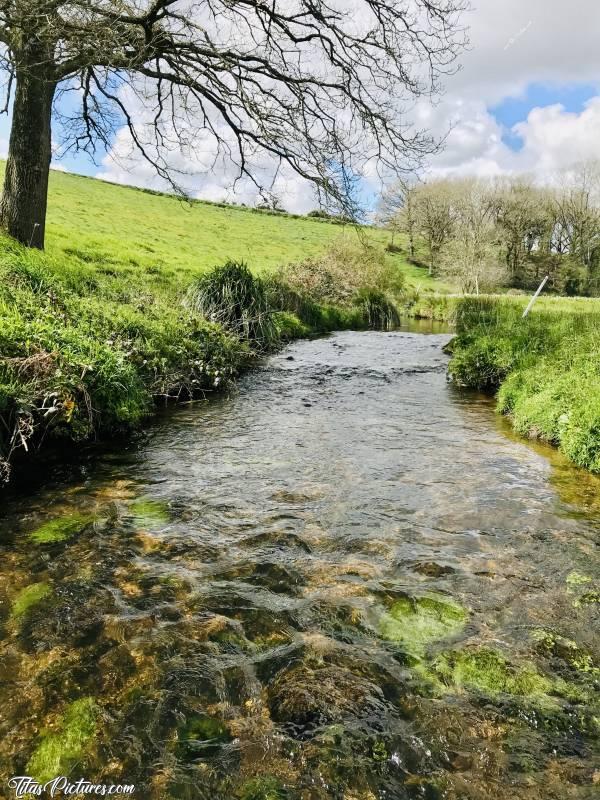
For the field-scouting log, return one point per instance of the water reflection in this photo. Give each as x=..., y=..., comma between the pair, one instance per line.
x=348, y=580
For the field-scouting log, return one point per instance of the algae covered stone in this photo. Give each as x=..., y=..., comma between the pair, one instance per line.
x=262, y=788
x=567, y=651
x=60, y=749
x=60, y=529
x=200, y=735
x=28, y=598
x=487, y=671
x=149, y=513
x=417, y=622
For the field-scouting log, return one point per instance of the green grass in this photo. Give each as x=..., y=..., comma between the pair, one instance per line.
x=94, y=331
x=97, y=222
x=545, y=368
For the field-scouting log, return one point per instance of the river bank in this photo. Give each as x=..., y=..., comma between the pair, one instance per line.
x=544, y=368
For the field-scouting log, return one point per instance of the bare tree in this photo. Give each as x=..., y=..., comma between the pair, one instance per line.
x=576, y=211
x=319, y=85
x=435, y=209
x=471, y=256
x=397, y=210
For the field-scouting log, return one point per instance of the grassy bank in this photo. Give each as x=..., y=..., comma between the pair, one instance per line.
x=545, y=368
x=96, y=330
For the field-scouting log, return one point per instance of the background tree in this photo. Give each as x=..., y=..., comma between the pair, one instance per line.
x=521, y=214
x=319, y=85
x=397, y=211
x=471, y=255
x=434, y=211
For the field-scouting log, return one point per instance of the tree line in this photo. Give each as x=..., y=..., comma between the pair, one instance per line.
x=509, y=231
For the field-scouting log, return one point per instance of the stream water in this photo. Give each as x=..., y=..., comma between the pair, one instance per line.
x=345, y=580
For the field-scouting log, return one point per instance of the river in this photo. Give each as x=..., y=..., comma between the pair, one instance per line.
x=347, y=579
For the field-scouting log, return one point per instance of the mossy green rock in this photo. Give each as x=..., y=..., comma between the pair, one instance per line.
x=200, y=735
x=28, y=598
x=149, y=513
x=487, y=671
x=575, y=578
x=551, y=644
x=263, y=788
x=58, y=751
x=58, y=530
x=416, y=623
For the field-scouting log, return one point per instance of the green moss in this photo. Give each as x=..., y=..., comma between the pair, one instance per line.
x=566, y=650
x=486, y=671
x=29, y=597
x=59, y=751
x=199, y=736
x=575, y=578
x=149, y=513
x=587, y=598
x=416, y=623
x=262, y=788
x=57, y=530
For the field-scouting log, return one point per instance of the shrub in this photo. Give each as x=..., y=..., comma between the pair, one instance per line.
x=345, y=269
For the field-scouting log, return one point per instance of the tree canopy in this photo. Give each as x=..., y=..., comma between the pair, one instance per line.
x=322, y=86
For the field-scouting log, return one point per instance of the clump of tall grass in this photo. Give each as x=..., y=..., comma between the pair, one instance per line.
x=380, y=312
x=231, y=296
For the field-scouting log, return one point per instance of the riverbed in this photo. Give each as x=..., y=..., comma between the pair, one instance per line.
x=345, y=579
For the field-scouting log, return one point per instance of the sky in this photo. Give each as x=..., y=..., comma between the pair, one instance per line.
x=527, y=99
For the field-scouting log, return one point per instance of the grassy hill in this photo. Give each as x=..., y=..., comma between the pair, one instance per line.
x=95, y=222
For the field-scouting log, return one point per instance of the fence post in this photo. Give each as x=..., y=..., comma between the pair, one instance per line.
x=535, y=296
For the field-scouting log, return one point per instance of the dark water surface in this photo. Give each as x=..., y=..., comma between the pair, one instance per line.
x=347, y=580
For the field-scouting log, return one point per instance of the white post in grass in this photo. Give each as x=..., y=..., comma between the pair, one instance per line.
x=535, y=296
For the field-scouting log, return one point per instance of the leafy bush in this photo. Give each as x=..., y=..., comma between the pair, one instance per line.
x=346, y=268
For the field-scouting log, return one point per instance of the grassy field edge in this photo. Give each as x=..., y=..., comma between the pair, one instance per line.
x=544, y=369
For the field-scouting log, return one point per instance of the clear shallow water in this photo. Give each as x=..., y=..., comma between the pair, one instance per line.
x=346, y=580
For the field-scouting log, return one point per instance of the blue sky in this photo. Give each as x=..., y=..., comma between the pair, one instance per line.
x=512, y=110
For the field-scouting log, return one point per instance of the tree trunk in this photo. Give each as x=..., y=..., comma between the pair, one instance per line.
x=25, y=195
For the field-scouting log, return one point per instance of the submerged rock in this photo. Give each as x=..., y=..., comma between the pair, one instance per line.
x=28, y=598
x=262, y=788
x=416, y=623
x=200, y=736
x=58, y=530
x=487, y=671
x=309, y=697
x=59, y=750
x=566, y=651
x=149, y=513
